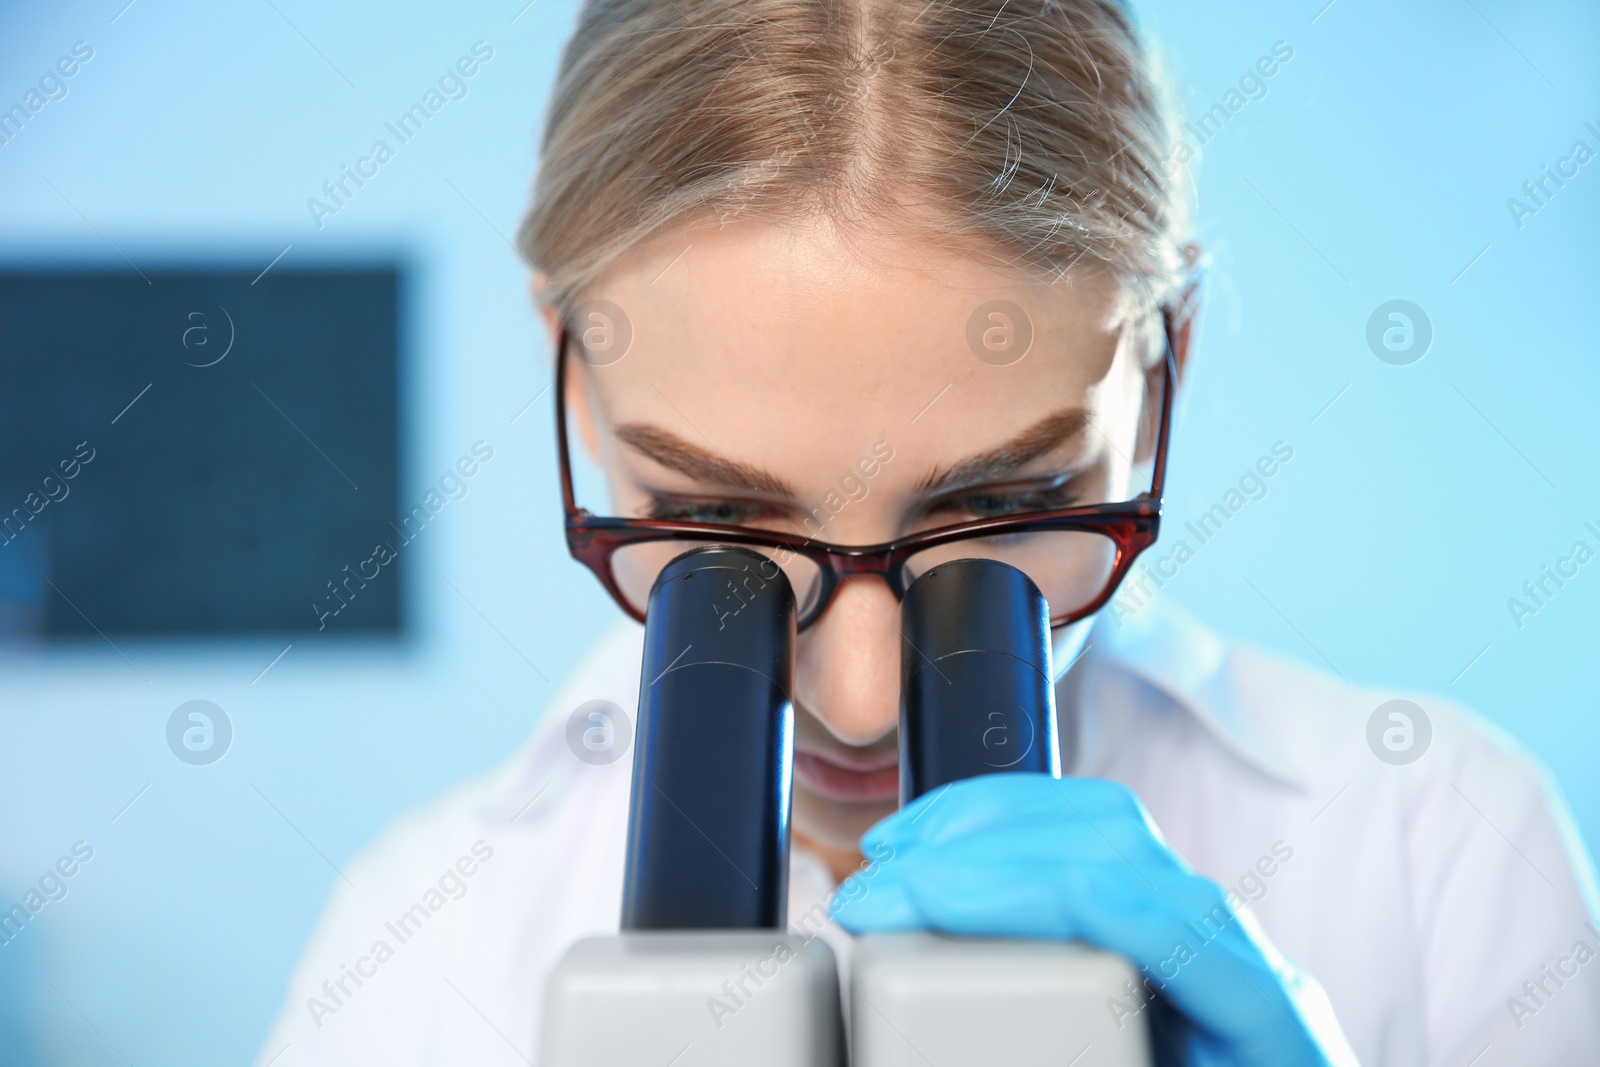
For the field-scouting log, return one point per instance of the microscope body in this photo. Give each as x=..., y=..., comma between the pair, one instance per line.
x=703, y=973
x=693, y=998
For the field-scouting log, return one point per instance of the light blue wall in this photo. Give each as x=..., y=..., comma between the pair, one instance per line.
x=1377, y=166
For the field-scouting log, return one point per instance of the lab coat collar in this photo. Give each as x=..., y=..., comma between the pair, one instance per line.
x=1170, y=650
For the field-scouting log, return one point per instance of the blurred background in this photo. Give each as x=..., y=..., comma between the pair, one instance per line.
x=222, y=381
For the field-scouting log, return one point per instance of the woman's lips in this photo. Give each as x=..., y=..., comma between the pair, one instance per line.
x=845, y=782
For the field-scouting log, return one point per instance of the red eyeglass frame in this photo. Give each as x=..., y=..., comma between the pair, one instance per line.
x=1133, y=525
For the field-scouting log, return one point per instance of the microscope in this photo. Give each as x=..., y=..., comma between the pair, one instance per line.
x=704, y=971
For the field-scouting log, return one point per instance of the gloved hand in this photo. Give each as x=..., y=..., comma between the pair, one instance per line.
x=1079, y=859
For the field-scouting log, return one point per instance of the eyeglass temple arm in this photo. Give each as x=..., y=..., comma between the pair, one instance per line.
x=568, y=502
x=1158, y=477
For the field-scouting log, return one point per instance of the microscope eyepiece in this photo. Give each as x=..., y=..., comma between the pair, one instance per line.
x=708, y=825
x=976, y=693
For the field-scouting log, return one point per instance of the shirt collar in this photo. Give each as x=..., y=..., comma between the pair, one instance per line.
x=1170, y=650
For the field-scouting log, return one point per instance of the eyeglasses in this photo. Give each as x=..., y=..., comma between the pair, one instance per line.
x=1077, y=556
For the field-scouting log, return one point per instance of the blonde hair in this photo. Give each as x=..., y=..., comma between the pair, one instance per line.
x=1038, y=129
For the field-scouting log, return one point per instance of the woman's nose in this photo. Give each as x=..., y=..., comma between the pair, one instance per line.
x=847, y=664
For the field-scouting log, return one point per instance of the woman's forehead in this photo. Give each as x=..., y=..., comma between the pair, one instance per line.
x=785, y=349
x=830, y=315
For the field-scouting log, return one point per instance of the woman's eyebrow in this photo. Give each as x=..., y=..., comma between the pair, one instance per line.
x=1037, y=440
x=674, y=453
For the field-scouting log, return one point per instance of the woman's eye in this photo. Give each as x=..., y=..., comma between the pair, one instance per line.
x=717, y=512
x=982, y=505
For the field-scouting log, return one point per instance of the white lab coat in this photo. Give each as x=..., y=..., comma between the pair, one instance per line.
x=1446, y=906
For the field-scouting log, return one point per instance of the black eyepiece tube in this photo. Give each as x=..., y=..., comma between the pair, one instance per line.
x=976, y=694
x=708, y=822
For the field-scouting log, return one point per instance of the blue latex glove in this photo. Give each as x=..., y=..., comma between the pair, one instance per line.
x=1079, y=859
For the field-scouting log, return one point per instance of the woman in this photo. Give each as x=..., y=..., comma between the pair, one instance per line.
x=841, y=274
